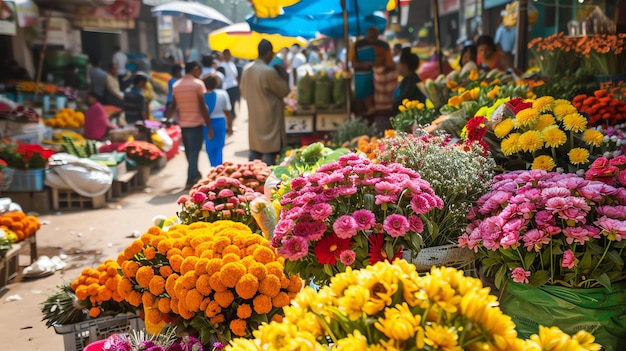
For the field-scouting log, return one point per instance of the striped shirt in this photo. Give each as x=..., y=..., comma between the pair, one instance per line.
x=188, y=92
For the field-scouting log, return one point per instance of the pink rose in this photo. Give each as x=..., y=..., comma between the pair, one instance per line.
x=621, y=177
x=569, y=260
x=198, y=197
x=618, y=161
x=224, y=193
x=599, y=163
x=519, y=275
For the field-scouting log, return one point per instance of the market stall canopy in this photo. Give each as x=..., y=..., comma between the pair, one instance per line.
x=270, y=8
x=243, y=42
x=194, y=11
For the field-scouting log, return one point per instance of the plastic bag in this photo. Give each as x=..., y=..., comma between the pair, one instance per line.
x=306, y=90
x=162, y=140
x=598, y=311
x=323, y=90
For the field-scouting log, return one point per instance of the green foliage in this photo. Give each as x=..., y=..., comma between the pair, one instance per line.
x=352, y=129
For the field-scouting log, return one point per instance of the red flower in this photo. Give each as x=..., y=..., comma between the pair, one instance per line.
x=327, y=250
x=518, y=104
x=377, y=250
x=476, y=129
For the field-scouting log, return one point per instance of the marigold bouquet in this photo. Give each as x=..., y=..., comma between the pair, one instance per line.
x=543, y=133
x=24, y=156
x=143, y=152
x=541, y=228
x=390, y=307
x=215, y=278
x=351, y=213
x=222, y=199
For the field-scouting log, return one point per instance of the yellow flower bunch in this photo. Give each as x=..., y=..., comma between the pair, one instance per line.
x=547, y=133
x=96, y=287
x=466, y=95
x=412, y=112
x=390, y=307
x=217, y=276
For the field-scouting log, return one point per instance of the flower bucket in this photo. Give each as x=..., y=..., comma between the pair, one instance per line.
x=143, y=173
x=27, y=180
x=6, y=177
x=596, y=310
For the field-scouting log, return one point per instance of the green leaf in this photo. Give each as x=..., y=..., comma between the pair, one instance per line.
x=585, y=263
x=389, y=250
x=328, y=269
x=604, y=280
x=369, y=201
x=615, y=257
x=500, y=277
x=539, y=278
x=529, y=259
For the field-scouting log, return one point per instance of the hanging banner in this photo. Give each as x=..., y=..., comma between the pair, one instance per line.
x=165, y=29
x=27, y=13
x=119, y=15
x=59, y=31
x=448, y=6
x=8, y=18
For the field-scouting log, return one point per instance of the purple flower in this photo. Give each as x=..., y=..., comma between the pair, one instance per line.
x=365, y=219
x=154, y=348
x=321, y=211
x=569, y=260
x=294, y=248
x=396, y=225
x=519, y=275
x=347, y=257
x=345, y=227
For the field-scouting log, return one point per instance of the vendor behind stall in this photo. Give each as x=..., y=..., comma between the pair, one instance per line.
x=97, y=124
x=134, y=100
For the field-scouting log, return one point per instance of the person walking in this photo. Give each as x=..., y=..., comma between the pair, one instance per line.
x=98, y=78
x=264, y=90
x=193, y=116
x=231, y=80
x=218, y=103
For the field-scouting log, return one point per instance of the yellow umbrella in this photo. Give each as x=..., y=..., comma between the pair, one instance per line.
x=243, y=42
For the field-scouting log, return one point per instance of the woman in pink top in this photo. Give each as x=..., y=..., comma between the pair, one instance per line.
x=97, y=123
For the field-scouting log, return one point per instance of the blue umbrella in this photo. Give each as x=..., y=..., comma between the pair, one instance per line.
x=310, y=18
x=194, y=11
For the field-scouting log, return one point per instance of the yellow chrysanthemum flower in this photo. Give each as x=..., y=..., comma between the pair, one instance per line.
x=503, y=128
x=593, y=137
x=543, y=104
x=578, y=156
x=545, y=120
x=399, y=323
x=441, y=337
x=527, y=118
x=562, y=108
x=352, y=301
x=575, y=122
x=543, y=162
x=530, y=141
x=553, y=136
x=510, y=146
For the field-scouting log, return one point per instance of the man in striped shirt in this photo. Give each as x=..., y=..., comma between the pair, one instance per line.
x=193, y=115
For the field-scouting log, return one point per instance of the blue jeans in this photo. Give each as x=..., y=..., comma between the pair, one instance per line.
x=234, y=96
x=215, y=146
x=268, y=158
x=192, y=140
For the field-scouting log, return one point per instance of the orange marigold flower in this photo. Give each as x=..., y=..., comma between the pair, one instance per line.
x=231, y=257
x=213, y=266
x=153, y=315
x=147, y=299
x=172, y=252
x=121, y=258
x=154, y=230
x=295, y=284
x=216, y=282
x=184, y=312
x=188, y=251
x=205, y=303
x=244, y=311
x=213, y=309
x=129, y=268
x=224, y=298
x=170, y=284
x=134, y=298
x=247, y=286
x=264, y=254
x=81, y=293
x=274, y=268
x=164, y=245
x=112, y=282
x=220, y=244
x=144, y=275
x=124, y=287
x=277, y=318
x=149, y=253
x=238, y=327
x=164, y=305
x=112, y=270
x=94, y=312
x=217, y=319
x=165, y=271
x=92, y=289
x=232, y=249
x=200, y=267
x=203, y=285
x=262, y=304
x=270, y=286
x=189, y=280
x=157, y=285
x=116, y=296
x=281, y=300
x=176, y=261
x=248, y=261
x=193, y=300
x=189, y=264
x=284, y=282
x=104, y=294
x=231, y=273
x=174, y=305
x=258, y=270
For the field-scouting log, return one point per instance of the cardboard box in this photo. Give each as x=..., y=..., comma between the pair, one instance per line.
x=330, y=122
x=299, y=124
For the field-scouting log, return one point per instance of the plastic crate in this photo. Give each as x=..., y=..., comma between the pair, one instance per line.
x=78, y=335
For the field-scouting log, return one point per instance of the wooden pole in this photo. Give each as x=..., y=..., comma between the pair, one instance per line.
x=522, y=35
x=437, y=36
x=42, y=54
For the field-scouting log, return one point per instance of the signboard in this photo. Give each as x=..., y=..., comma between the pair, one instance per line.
x=8, y=18
x=448, y=6
x=27, y=13
x=58, y=31
x=120, y=14
x=470, y=9
x=165, y=27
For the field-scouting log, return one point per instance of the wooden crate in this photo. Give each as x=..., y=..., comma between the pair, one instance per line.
x=66, y=199
x=9, y=265
x=122, y=185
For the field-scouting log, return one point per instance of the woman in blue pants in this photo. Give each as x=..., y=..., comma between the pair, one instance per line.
x=218, y=103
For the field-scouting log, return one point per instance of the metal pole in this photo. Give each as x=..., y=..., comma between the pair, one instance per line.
x=437, y=35
x=346, y=41
x=522, y=35
x=42, y=54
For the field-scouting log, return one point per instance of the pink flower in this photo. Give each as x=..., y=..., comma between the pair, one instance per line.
x=381, y=199
x=345, y=227
x=208, y=206
x=224, y=193
x=329, y=194
x=284, y=226
x=618, y=161
x=321, y=211
x=510, y=239
x=415, y=224
x=198, y=197
x=535, y=238
x=617, y=212
x=621, y=177
x=182, y=199
x=292, y=213
x=347, y=257
x=347, y=190
x=365, y=219
x=579, y=234
x=294, y=248
x=614, y=229
x=396, y=225
x=569, y=260
x=419, y=204
x=599, y=163
x=519, y=275
x=310, y=230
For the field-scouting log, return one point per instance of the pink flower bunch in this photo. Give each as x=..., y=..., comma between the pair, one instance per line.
x=222, y=199
x=611, y=172
x=549, y=228
x=350, y=213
